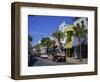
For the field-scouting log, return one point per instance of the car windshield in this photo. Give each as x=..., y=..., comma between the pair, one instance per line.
x=58, y=50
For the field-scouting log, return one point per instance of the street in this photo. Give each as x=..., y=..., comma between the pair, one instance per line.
x=47, y=62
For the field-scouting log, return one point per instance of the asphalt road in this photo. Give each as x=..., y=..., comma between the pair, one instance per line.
x=47, y=62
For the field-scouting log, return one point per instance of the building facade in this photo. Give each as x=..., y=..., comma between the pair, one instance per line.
x=81, y=22
x=69, y=40
x=62, y=28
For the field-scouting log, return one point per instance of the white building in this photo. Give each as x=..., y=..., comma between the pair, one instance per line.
x=81, y=21
x=62, y=28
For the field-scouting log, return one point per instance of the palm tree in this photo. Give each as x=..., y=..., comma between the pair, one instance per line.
x=29, y=42
x=37, y=46
x=30, y=38
x=46, y=42
x=59, y=35
x=30, y=51
x=80, y=32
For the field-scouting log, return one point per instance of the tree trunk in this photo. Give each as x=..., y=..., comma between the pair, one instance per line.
x=59, y=40
x=80, y=53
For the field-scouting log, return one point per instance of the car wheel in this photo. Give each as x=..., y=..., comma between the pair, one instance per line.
x=56, y=60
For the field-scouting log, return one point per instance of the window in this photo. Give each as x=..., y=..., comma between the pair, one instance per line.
x=70, y=33
x=82, y=23
x=78, y=25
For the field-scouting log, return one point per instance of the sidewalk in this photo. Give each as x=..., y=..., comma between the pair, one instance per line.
x=77, y=61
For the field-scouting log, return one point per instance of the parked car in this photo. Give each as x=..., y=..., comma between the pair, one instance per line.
x=38, y=53
x=44, y=56
x=59, y=56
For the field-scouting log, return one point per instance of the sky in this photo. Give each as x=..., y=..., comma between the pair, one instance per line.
x=43, y=26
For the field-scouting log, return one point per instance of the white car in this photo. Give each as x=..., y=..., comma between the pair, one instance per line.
x=44, y=56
